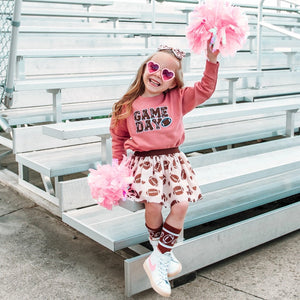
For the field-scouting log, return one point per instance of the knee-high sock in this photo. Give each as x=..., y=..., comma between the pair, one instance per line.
x=168, y=238
x=154, y=233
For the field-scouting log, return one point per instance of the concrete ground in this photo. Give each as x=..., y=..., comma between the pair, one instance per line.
x=43, y=258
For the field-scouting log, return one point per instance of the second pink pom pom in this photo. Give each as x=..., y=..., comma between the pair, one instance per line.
x=109, y=183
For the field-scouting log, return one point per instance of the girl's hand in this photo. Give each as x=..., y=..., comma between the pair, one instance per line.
x=212, y=56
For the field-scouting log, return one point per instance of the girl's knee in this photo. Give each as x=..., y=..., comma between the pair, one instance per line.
x=154, y=208
x=180, y=207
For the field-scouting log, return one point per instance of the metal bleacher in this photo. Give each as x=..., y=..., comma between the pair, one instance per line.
x=74, y=58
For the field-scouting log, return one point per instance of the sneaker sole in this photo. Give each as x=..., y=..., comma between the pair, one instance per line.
x=157, y=290
x=175, y=273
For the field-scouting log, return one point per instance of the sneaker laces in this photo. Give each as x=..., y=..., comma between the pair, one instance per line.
x=164, y=265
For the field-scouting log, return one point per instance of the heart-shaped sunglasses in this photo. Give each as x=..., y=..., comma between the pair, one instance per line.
x=154, y=67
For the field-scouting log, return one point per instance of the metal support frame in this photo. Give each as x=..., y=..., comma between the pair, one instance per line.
x=6, y=142
x=153, y=15
x=48, y=185
x=259, y=41
x=106, y=156
x=56, y=102
x=23, y=172
x=4, y=154
x=5, y=126
x=291, y=60
x=290, y=122
x=20, y=68
x=186, y=63
x=231, y=90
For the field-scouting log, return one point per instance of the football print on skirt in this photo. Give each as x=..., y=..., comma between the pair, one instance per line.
x=164, y=179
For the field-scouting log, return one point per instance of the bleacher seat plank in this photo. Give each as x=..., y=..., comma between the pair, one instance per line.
x=71, y=14
x=242, y=152
x=75, y=2
x=232, y=132
x=245, y=109
x=23, y=137
x=97, y=31
x=64, y=131
x=34, y=115
x=112, y=233
x=217, y=176
x=203, y=114
x=268, y=91
x=71, y=82
x=62, y=161
x=44, y=53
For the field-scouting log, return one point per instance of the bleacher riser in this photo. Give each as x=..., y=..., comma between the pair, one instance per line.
x=44, y=41
x=272, y=78
x=245, y=60
x=80, y=41
x=78, y=95
x=78, y=66
x=90, y=65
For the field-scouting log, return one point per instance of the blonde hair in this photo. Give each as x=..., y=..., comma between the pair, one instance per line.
x=122, y=108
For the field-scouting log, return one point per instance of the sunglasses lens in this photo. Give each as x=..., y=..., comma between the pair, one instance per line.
x=167, y=75
x=152, y=67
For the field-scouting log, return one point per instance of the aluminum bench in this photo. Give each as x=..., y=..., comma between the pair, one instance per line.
x=232, y=181
x=290, y=52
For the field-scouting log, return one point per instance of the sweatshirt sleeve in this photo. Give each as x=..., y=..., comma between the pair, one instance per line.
x=119, y=135
x=202, y=90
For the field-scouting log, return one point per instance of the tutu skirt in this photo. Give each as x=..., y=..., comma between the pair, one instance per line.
x=163, y=178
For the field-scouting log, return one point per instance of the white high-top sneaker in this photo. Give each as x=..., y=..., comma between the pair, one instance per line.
x=175, y=266
x=156, y=267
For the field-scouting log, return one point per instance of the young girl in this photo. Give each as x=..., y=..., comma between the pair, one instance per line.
x=148, y=120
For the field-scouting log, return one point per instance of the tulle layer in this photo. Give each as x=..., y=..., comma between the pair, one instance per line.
x=224, y=25
x=164, y=179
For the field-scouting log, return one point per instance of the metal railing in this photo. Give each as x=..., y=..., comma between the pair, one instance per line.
x=260, y=25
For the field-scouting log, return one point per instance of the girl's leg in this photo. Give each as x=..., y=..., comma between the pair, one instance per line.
x=156, y=265
x=177, y=214
x=153, y=215
x=172, y=227
x=162, y=261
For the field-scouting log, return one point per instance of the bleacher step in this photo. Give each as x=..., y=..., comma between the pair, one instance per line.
x=206, y=137
x=258, y=166
x=64, y=162
x=120, y=228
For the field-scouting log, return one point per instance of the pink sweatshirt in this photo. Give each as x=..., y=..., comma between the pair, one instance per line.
x=156, y=122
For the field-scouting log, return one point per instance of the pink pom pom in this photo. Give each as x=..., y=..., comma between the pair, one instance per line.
x=224, y=25
x=109, y=183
